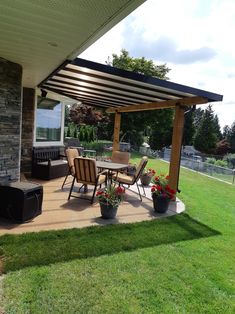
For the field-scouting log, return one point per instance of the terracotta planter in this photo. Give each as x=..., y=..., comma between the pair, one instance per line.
x=160, y=203
x=108, y=211
x=145, y=180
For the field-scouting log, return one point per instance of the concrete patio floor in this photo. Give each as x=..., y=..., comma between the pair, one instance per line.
x=59, y=213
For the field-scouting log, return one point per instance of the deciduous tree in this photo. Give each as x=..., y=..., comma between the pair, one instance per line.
x=135, y=125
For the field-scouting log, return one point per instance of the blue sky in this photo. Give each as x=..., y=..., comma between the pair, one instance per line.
x=193, y=37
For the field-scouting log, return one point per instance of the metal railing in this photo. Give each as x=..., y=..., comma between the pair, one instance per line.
x=224, y=174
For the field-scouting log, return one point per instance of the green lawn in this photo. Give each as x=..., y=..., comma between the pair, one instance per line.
x=181, y=264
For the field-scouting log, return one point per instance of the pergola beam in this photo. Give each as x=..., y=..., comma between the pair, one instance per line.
x=187, y=101
x=177, y=136
x=117, y=124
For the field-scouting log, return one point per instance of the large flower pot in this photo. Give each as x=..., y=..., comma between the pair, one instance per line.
x=145, y=180
x=108, y=211
x=160, y=203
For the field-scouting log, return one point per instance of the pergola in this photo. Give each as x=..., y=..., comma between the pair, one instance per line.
x=120, y=91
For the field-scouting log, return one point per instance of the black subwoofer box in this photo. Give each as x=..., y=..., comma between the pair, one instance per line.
x=21, y=201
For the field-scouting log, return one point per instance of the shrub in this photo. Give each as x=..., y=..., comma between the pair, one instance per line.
x=230, y=159
x=211, y=160
x=221, y=163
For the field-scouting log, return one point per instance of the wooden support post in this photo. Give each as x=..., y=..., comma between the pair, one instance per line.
x=178, y=129
x=117, y=124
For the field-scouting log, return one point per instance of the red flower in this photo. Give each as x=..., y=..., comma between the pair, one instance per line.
x=99, y=193
x=120, y=190
x=153, y=189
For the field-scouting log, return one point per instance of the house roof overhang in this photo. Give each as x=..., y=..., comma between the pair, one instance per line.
x=116, y=90
x=40, y=35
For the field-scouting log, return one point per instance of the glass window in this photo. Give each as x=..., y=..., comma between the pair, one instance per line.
x=48, y=120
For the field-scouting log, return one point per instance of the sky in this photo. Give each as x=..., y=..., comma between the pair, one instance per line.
x=195, y=38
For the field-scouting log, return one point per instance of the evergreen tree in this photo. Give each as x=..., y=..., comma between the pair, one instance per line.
x=68, y=132
x=198, y=114
x=232, y=138
x=75, y=133
x=189, y=128
x=226, y=132
x=206, y=135
x=66, y=115
x=217, y=127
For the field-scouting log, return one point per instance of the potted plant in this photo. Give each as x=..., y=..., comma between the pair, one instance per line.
x=162, y=193
x=109, y=200
x=146, y=176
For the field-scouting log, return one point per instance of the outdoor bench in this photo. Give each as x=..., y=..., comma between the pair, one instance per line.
x=49, y=163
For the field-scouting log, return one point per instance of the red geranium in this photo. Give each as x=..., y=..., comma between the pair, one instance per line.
x=112, y=195
x=161, y=187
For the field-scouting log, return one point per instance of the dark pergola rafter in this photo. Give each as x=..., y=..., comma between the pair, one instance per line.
x=90, y=81
x=118, y=91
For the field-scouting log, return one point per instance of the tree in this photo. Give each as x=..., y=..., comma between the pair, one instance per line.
x=66, y=115
x=229, y=135
x=82, y=114
x=84, y=119
x=138, y=65
x=226, y=132
x=217, y=127
x=161, y=136
x=222, y=147
x=198, y=114
x=206, y=135
x=189, y=128
x=232, y=138
x=135, y=125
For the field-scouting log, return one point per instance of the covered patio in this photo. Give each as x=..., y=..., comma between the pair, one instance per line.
x=117, y=91
x=120, y=91
x=59, y=213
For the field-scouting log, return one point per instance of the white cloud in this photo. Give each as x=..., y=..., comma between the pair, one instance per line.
x=194, y=38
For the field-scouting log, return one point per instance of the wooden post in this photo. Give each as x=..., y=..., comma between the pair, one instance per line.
x=117, y=124
x=178, y=129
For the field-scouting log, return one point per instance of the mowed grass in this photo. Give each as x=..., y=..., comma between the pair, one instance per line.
x=180, y=264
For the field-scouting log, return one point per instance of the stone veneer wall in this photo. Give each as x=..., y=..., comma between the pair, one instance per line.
x=27, y=129
x=10, y=120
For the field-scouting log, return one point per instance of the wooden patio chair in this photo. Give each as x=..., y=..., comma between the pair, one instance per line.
x=122, y=178
x=120, y=157
x=70, y=154
x=86, y=173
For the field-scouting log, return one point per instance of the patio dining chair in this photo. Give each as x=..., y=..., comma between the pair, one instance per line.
x=70, y=154
x=122, y=178
x=120, y=157
x=86, y=173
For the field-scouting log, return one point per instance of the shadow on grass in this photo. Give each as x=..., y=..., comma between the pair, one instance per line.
x=44, y=248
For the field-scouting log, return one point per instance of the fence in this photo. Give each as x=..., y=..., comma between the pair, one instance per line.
x=221, y=173
x=149, y=152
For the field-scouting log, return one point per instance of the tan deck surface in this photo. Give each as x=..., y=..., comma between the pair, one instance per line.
x=58, y=213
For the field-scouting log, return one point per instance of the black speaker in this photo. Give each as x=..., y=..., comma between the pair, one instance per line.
x=21, y=201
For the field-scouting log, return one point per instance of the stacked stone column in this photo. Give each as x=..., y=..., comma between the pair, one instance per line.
x=10, y=120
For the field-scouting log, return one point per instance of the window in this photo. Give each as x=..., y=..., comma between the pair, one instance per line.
x=48, y=120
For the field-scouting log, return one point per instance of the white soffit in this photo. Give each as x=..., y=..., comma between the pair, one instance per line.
x=41, y=34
